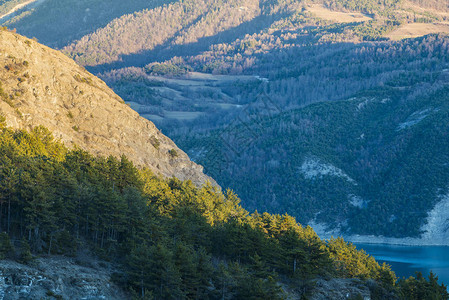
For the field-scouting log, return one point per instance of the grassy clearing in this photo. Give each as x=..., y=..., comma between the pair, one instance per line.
x=340, y=17
x=443, y=11
x=182, y=115
x=413, y=30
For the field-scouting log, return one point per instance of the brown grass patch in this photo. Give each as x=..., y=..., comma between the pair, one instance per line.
x=336, y=16
x=413, y=30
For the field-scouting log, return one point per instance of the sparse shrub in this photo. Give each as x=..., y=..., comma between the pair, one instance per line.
x=54, y=295
x=25, y=252
x=155, y=142
x=10, y=67
x=83, y=79
x=4, y=96
x=6, y=248
x=64, y=243
x=173, y=153
x=356, y=297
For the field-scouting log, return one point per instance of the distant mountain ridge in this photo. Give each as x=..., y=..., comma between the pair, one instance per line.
x=40, y=86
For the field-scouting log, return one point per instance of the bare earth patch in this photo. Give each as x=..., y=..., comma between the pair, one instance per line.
x=444, y=12
x=340, y=17
x=182, y=115
x=413, y=30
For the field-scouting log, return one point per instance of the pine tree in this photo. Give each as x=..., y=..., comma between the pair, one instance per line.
x=25, y=252
x=6, y=248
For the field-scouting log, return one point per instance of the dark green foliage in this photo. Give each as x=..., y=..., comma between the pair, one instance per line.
x=155, y=142
x=366, y=6
x=420, y=288
x=171, y=239
x=173, y=153
x=351, y=262
x=392, y=148
x=6, y=248
x=25, y=255
x=166, y=69
x=304, y=60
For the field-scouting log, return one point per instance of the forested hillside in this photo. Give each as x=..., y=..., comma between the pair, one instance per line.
x=170, y=239
x=58, y=22
x=410, y=76
x=372, y=164
x=308, y=107
x=205, y=71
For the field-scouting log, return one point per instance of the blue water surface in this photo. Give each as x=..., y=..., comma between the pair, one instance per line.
x=406, y=260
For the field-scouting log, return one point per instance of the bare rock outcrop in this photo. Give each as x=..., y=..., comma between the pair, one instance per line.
x=57, y=278
x=41, y=86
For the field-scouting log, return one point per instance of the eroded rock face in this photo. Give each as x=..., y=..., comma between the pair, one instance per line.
x=340, y=289
x=56, y=277
x=41, y=86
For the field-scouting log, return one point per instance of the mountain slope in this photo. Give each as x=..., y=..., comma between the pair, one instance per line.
x=293, y=53
x=372, y=164
x=164, y=238
x=58, y=22
x=40, y=86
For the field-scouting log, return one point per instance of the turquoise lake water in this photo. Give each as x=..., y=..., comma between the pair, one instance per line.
x=405, y=260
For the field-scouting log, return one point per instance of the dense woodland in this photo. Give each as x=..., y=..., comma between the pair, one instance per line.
x=71, y=20
x=336, y=94
x=404, y=73
x=303, y=60
x=375, y=139
x=171, y=239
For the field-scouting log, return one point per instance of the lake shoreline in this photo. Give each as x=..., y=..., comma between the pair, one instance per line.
x=406, y=260
x=407, y=241
x=376, y=240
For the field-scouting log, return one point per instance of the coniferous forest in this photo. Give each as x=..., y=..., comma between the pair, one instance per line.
x=170, y=239
x=334, y=111
x=196, y=67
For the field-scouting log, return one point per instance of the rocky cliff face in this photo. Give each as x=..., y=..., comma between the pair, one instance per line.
x=57, y=278
x=41, y=86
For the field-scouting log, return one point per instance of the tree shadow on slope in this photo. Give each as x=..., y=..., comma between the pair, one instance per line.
x=57, y=23
x=167, y=50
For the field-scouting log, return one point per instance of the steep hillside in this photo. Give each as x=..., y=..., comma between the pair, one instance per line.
x=372, y=164
x=59, y=277
x=40, y=86
x=199, y=69
x=56, y=23
x=161, y=238
x=180, y=23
